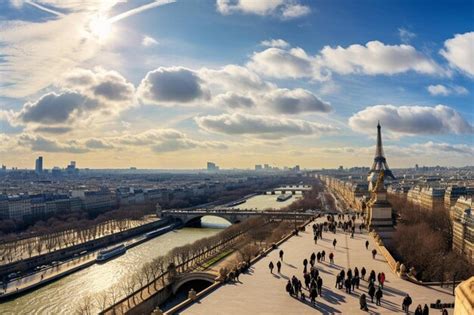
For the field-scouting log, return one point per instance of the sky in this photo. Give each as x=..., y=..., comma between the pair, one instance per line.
x=173, y=84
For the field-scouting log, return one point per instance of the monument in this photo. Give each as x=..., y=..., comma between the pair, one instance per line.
x=379, y=211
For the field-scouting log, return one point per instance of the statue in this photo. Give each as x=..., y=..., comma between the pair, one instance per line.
x=192, y=295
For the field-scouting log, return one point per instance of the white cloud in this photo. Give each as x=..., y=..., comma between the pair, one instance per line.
x=438, y=89
x=148, y=41
x=271, y=127
x=42, y=144
x=443, y=90
x=411, y=120
x=285, y=101
x=281, y=63
x=377, y=58
x=405, y=35
x=278, y=43
x=285, y=9
x=459, y=51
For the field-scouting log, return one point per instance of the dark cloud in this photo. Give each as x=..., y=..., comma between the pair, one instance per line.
x=54, y=130
x=174, y=84
x=97, y=144
x=56, y=108
x=39, y=143
x=295, y=101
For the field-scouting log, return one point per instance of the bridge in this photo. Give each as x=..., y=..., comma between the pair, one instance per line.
x=193, y=276
x=290, y=190
x=193, y=217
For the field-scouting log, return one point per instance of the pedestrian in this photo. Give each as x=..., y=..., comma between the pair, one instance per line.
x=289, y=288
x=334, y=243
x=406, y=303
x=426, y=310
x=331, y=258
x=382, y=279
x=319, y=283
x=347, y=284
x=281, y=254
x=363, y=302
x=419, y=310
x=353, y=283
x=313, y=295
x=357, y=278
x=315, y=239
x=318, y=256
x=366, y=244
x=338, y=279
x=270, y=265
x=349, y=273
x=362, y=272
x=378, y=296
x=372, y=276
x=307, y=280
x=356, y=272
x=371, y=293
x=374, y=252
x=278, y=266
x=323, y=255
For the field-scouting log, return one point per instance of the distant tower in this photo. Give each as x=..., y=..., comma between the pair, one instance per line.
x=39, y=165
x=380, y=163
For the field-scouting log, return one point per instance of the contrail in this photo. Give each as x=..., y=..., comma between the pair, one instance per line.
x=138, y=10
x=45, y=9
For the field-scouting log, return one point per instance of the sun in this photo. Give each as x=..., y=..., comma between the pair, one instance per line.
x=100, y=27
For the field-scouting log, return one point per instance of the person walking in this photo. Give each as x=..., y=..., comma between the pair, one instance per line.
x=419, y=310
x=382, y=279
x=331, y=258
x=363, y=302
x=334, y=243
x=338, y=279
x=289, y=288
x=270, y=265
x=347, y=284
x=372, y=276
x=374, y=252
x=356, y=272
x=313, y=256
x=371, y=293
x=357, y=280
x=318, y=256
x=378, y=296
x=281, y=254
x=305, y=265
x=362, y=272
x=278, y=266
x=315, y=239
x=406, y=303
x=323, y=255
x=319, y=283
x=313, y=295
x=307, y=280
x=426, y=310
x=367, y=245
x=353, y=283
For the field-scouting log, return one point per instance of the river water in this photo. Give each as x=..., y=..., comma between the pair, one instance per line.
x=63, y=296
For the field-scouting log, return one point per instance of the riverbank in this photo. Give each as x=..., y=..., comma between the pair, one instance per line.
x=32, y=281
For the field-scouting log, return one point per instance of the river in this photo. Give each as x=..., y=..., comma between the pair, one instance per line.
x=62, y=296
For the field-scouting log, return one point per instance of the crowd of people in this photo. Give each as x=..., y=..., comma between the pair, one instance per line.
x=348, y=280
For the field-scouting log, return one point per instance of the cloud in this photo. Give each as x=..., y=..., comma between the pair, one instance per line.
x=281, y=63
x=97, y=144
x=284, y=9
x=377, y=58
x=278, y=43
x=459, y=51
x=261, y=126
x=234, y=100
x=295, y=101
x=149, y=41
x=39, y=143
x=405, y=35
x=104, y=85
x=166, y=140
x=56, y=107
x=53, y=130
x=172, y=85
x=411, y=120
x=443, y=90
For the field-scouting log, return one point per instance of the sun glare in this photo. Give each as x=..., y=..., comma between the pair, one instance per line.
x=100, y=27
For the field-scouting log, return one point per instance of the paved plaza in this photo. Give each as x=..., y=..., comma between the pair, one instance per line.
x=260, y=292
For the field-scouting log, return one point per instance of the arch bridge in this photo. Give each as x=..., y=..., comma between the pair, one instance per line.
x=193, y=217
x=193, y=276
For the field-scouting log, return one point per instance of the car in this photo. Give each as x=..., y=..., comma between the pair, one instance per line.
x=12, y=275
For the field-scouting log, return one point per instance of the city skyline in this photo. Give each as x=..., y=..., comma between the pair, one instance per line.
x=176, y=84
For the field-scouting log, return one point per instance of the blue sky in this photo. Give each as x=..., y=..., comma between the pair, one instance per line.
x=173, y=85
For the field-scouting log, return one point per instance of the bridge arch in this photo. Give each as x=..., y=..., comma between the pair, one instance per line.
x=195, y=220
x=193, y=276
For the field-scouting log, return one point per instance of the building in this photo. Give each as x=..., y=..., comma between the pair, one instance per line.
x=39, y=165
x=19, y=206
x=452, y=194
x=212, y=167
x=463, y=228
x=258, y=167
x=96, y=201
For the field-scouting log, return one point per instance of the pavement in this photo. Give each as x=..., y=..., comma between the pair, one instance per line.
x=260, y=292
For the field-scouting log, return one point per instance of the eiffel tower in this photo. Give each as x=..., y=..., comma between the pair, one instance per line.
x=380, y=163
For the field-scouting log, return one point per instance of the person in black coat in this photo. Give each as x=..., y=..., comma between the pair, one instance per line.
x=313, y=295
x=363, y=302
x=278, y=266
x=371, y=293
x=426, y=310
x=320, y=285
x=289, y=288
x=378, y=296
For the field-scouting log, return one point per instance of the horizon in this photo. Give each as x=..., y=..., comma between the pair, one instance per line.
x=171, y=85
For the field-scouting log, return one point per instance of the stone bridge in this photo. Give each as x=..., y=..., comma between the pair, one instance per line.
x=289, y=190
x=193, y=217
x=193, y=276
